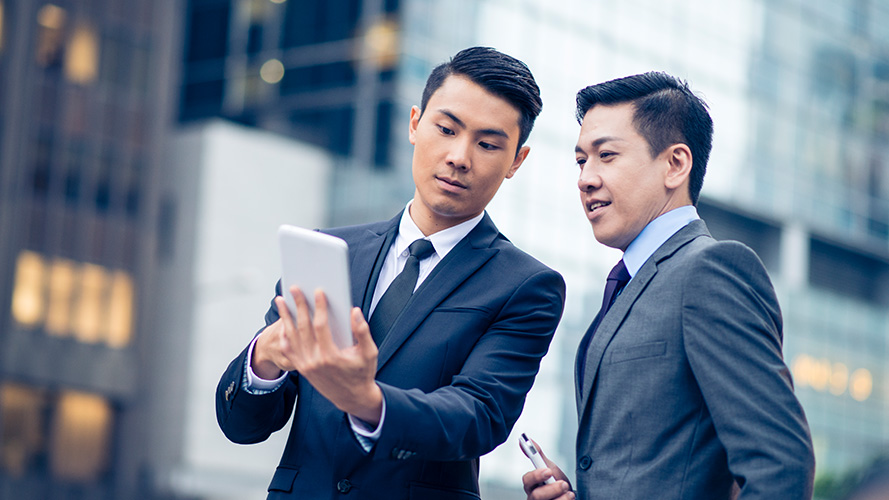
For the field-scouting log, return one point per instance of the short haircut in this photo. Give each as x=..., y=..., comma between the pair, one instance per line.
x=499, y=74
x=667, y=113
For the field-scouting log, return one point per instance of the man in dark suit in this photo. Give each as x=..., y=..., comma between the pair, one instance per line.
x=432, y=385
x=682, y=391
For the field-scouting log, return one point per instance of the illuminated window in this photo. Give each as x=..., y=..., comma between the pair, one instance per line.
x=381, y=44
x=62, y=278
x=1, y=26
x=861, y=384
x=839, y=379
x=120, y=310
x=88, y=311
x=821, y=375
x=82, y=57
x=27, y=296
x=88, y=301
x=21, y=427
x=81, y=434
x=51, y=19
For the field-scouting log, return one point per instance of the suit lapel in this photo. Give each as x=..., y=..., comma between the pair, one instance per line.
x=622, y=305
x=366, y=261
x=460, y=263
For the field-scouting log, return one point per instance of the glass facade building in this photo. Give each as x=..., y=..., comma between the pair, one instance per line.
x=79, y=137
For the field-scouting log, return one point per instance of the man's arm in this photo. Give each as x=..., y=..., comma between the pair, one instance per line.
x=251, y=418
x=732, y=333
x=247, y=418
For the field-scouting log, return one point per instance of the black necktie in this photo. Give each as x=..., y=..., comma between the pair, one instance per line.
x=398, y=293
x=617, y=279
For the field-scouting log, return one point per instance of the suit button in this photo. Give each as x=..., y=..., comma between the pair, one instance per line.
x=344, y=486
x=585, y=462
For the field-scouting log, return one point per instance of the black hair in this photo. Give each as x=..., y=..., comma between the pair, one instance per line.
x=666, y=113
x=499, y=74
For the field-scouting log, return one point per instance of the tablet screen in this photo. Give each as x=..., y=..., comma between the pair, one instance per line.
x=311, y=261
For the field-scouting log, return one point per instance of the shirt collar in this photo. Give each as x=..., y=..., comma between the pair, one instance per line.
x=443, y=241
x=655, y=234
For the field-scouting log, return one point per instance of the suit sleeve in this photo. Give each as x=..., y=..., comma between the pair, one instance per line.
x=732, y=334
x=247, y=418
x=476, y=411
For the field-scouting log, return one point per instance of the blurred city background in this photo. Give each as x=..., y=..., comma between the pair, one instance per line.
x=150, y=148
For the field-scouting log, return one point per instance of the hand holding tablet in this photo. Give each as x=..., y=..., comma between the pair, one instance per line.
x=312, y=261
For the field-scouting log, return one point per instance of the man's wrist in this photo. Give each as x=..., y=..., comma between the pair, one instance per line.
x=262, y=366
x=370, y=411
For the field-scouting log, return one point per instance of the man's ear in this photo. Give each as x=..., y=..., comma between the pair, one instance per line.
x=519, y=158
x=679, y=162
x=413, y=124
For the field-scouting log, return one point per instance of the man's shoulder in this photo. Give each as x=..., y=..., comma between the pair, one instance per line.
x=516, y=259
x=356, y=230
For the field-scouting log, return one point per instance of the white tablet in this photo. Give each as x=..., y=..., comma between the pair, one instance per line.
x=313, y=260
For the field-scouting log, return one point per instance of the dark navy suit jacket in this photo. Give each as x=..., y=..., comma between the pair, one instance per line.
x=454, y=371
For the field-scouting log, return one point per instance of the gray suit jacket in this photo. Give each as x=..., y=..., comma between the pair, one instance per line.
x=685, y=390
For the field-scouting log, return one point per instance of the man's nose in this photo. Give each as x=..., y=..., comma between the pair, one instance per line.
x=589, y=178
x=459, y=154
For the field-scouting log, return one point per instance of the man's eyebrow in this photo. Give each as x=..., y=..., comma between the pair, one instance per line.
x=487, y=131
x=598, y=142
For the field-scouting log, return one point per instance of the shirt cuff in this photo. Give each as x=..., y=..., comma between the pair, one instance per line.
x=366, y=435
x=255, y=385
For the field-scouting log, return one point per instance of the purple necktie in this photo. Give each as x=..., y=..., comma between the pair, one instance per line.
x=617, y=279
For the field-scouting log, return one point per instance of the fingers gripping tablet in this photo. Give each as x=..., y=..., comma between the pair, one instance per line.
x=312, y=261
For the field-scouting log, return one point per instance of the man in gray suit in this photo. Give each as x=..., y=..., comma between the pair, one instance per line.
x=682, y=390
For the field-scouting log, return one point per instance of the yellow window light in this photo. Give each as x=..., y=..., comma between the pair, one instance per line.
x=120, y=310
x=28, y=301
x=62, y=279
x=82, y=56
x=81, y=437
x=88, y=310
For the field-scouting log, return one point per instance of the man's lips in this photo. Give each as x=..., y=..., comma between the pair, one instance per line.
x=451, y=182
x=592, y=207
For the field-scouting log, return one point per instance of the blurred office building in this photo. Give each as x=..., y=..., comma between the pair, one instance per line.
x=83, y=89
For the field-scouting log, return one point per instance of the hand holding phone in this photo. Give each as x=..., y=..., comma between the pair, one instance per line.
x=532, y=453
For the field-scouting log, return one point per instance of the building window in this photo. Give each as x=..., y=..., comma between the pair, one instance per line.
x=848, y=273
x=88, y=302
x=62, y=278
x=88, y=311
x=80, y=437
x=1, y=27
x=27, y=296
x=51, y=21
x=82, y=56
x=120, y=309
x=67, y=432
x=21, y=427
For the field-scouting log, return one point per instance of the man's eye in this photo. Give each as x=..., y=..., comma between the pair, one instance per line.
x=488, y=146
x=580, y=162
x=606, y=154
x=445, y=130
